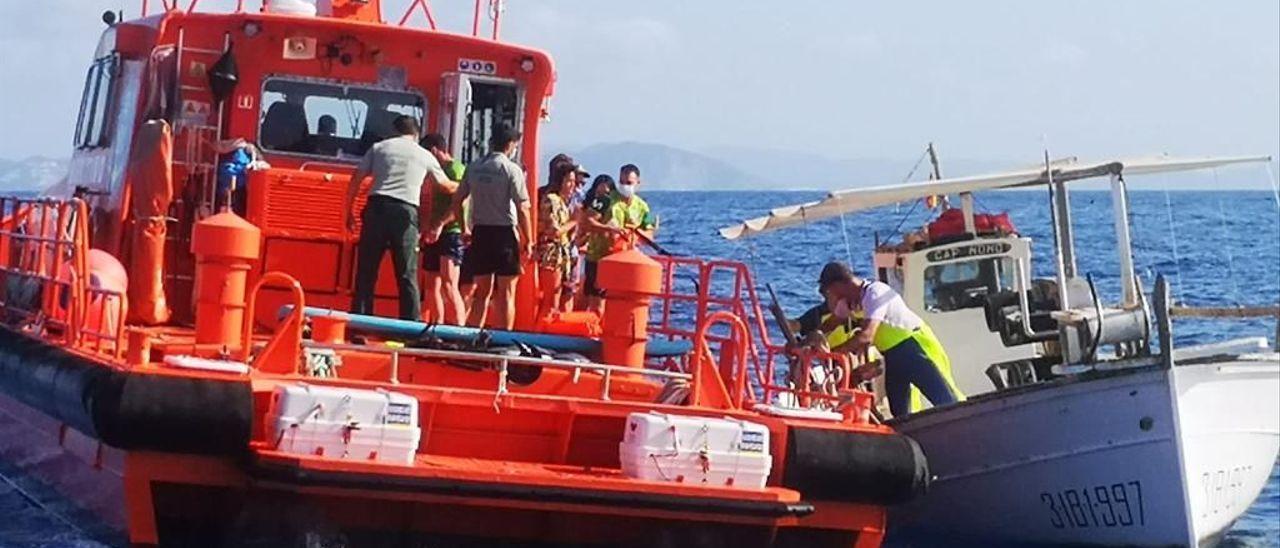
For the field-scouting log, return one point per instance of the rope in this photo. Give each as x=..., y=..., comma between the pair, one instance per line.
x=1150, y=267
x=1173, y=241
x=1275, y=189
x=1275, y=185
x=897, y=230
x=844, y=233
x=1226, y=237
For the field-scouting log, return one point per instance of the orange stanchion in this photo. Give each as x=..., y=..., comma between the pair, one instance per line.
x=225, y=246
x=629, y=279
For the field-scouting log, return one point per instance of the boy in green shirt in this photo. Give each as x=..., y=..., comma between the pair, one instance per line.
x=623, y=212
x=442, y=236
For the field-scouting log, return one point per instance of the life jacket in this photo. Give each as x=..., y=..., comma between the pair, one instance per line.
x=888, y=336
x=842, y=333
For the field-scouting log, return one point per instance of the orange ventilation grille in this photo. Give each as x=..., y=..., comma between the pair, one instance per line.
x=305, y=203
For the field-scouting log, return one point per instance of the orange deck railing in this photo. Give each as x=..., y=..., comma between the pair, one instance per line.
x=483, y=9
x=696, y=291
x=46, y=287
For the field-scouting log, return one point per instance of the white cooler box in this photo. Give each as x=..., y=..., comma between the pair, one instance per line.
x=345, y=423
x=685, y=449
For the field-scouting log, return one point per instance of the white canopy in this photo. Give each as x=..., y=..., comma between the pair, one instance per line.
x=839, y=202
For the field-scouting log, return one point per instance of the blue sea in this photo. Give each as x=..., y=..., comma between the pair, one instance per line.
x=1216, y=248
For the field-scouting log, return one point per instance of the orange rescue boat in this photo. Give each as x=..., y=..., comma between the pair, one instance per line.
x=174, y=400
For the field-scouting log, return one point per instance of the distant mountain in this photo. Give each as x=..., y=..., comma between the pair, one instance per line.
x=32, y=174
x=738, y=168
x=794, y=170
x=666, y=168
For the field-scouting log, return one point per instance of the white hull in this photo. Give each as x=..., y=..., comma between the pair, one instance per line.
x=1138, y=457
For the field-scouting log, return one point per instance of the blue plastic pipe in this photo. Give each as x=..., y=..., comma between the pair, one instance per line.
x=405, y=329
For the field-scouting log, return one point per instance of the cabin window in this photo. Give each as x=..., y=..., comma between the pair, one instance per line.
x=92, y=123
x=332, y=120
x=965, y=284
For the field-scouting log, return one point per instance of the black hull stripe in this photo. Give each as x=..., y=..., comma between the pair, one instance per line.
x=131, y=411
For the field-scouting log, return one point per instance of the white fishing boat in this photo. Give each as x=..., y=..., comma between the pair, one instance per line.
x=1083, y=423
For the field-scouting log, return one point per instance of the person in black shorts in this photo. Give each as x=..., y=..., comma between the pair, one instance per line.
x=501, y=239
x=442, y=237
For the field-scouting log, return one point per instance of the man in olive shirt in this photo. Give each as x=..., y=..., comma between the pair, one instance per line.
x=501, y=237
x=390, y=219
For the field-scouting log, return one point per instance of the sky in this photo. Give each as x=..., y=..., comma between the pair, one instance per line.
x=985, y=80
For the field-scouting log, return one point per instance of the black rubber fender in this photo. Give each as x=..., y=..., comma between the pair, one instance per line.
x=124, y=409
x=861, y=467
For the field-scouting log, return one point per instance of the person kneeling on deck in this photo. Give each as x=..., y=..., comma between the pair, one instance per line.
x=912, y=355
x=390, y=219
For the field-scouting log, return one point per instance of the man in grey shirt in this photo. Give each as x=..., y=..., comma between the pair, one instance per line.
x=390, y=219
x=501, y=238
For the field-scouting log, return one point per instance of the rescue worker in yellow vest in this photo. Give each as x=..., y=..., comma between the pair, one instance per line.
x=913, y=357
x=817, y=328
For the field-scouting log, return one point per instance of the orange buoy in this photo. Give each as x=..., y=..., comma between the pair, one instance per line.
x=629, y=280
x=105, y=273
x=225, y=246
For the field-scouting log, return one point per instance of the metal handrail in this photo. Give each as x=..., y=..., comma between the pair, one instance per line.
x=743, y=302
x=494, y=12
x=57, y=256
x=501, y=361
x=343, y=167
x=738, y=383
x=481, y=356
x=291, y=325
x=1024, y=305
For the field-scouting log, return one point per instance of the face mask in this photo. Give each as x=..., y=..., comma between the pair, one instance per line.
x=627, y=191
x=841, y=310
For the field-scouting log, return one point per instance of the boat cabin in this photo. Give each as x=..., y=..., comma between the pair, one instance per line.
x=968, y=275
x=300, y=97
x=948, y=278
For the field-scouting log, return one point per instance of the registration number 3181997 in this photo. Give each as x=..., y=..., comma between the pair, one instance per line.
x=1115, y=505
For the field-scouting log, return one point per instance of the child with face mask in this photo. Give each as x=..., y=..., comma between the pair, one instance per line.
x=629, y=211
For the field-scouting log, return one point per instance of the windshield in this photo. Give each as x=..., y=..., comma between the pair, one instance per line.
x=330, y=120
x=954, y=286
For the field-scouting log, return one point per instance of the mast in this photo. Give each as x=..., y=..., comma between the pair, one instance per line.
x=933, y=160
x=1124, y=245
x=936, y=175
x=1062, y=223
x=1058, y=235
x=966, y=198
